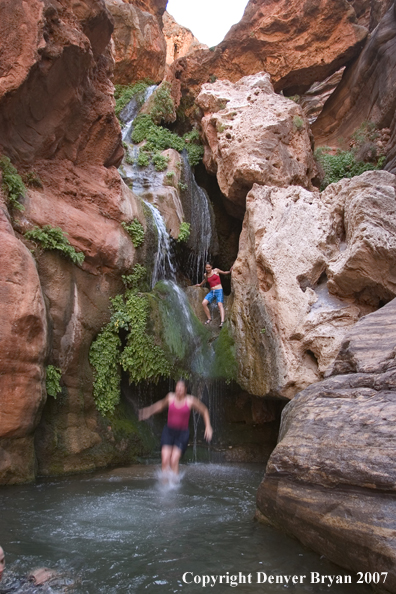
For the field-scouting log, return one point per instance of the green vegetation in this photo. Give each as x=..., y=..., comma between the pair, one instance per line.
x=53, y=238
x=182, y=186
x=160, y=161
x=12, y=185
x=159, y=139
x=163, y=106
x=342, y=164
x=141, y=357
x=184, y=232
x=52, y=381
x=212, y=78
x=143, y=159
x=124, y=93
x=298, y=122
x=169, y=178
x=225, y=364
x=32, y=179
x=364, y=155
x=136, y=232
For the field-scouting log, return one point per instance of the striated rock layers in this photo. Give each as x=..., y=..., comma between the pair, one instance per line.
x=309, y=265
x=331, y=481
x=179, y=40
x=57, y=120
x=253, y=136
x=139, y=46
x=367, y=92
x=296, y=43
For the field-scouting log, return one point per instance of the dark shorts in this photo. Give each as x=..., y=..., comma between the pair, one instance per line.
x=175, y=437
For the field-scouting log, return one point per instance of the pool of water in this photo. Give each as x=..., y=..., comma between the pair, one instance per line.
x=124, y=531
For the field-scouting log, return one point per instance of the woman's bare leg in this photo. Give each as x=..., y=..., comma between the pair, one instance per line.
x=221, y=308
x=175, y=457
x=166, y=454
x=206, y=308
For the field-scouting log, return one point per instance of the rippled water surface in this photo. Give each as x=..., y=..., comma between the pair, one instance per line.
x=123, y=531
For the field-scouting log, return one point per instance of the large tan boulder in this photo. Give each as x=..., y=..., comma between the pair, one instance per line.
x=297, y=43
x=254, y=136
x=23, y=328
x=331, y=480
x=286, y=318
x=139, y=46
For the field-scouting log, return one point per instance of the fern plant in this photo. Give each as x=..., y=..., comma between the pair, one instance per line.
x=54, y=239
x=12, y=184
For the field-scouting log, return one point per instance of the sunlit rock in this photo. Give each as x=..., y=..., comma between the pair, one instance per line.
x=287, y=319
x=254, y=136
x=179, y=40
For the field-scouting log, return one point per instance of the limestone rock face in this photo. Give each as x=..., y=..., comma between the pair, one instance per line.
x=366, y=92
x=23, y=325
x=139, y=46
x=296, y=43
x=254, y=136
x=179, y=40
x=286, y=318
x=331, y=480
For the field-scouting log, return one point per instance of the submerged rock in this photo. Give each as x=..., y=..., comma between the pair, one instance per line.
x=288, y=318
x=331, y=480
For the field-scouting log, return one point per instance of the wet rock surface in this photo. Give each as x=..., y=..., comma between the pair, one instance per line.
x=331, y=479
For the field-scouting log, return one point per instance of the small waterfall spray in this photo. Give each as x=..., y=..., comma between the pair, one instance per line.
x=164, y=266
x=130, y=111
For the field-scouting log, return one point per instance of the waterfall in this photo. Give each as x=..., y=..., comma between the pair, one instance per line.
x=130, y=111
x=164, y=266
x=201, y=223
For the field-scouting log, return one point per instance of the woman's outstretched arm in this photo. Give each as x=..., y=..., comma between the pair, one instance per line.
x=202, y=409
x=222, y=271
x=148, y=411
x=201, y=283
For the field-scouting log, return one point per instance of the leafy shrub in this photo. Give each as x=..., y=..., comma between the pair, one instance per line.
x=128, y=159
x=124, y=93
x=163, y=106
x=182, y=186
x=184, y=232
x=143, y=159
x=160, y=161
x=12, y=185
x=53, y=238
x=52, y=381
x=159, y=139
x=142, y=358
x=341, y=165
x=135, y=231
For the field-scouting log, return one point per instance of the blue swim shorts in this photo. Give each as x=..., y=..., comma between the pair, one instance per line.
x=215, y=294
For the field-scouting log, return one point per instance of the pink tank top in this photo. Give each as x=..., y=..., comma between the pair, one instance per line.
x=178, y=417
x=213, y=280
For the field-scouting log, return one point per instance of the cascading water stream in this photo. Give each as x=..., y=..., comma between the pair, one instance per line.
x=201, y=223
x=130, y=111
x=164, y=265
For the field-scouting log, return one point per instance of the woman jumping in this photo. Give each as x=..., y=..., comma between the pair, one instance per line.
x=216, y=291
x=175, y=434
